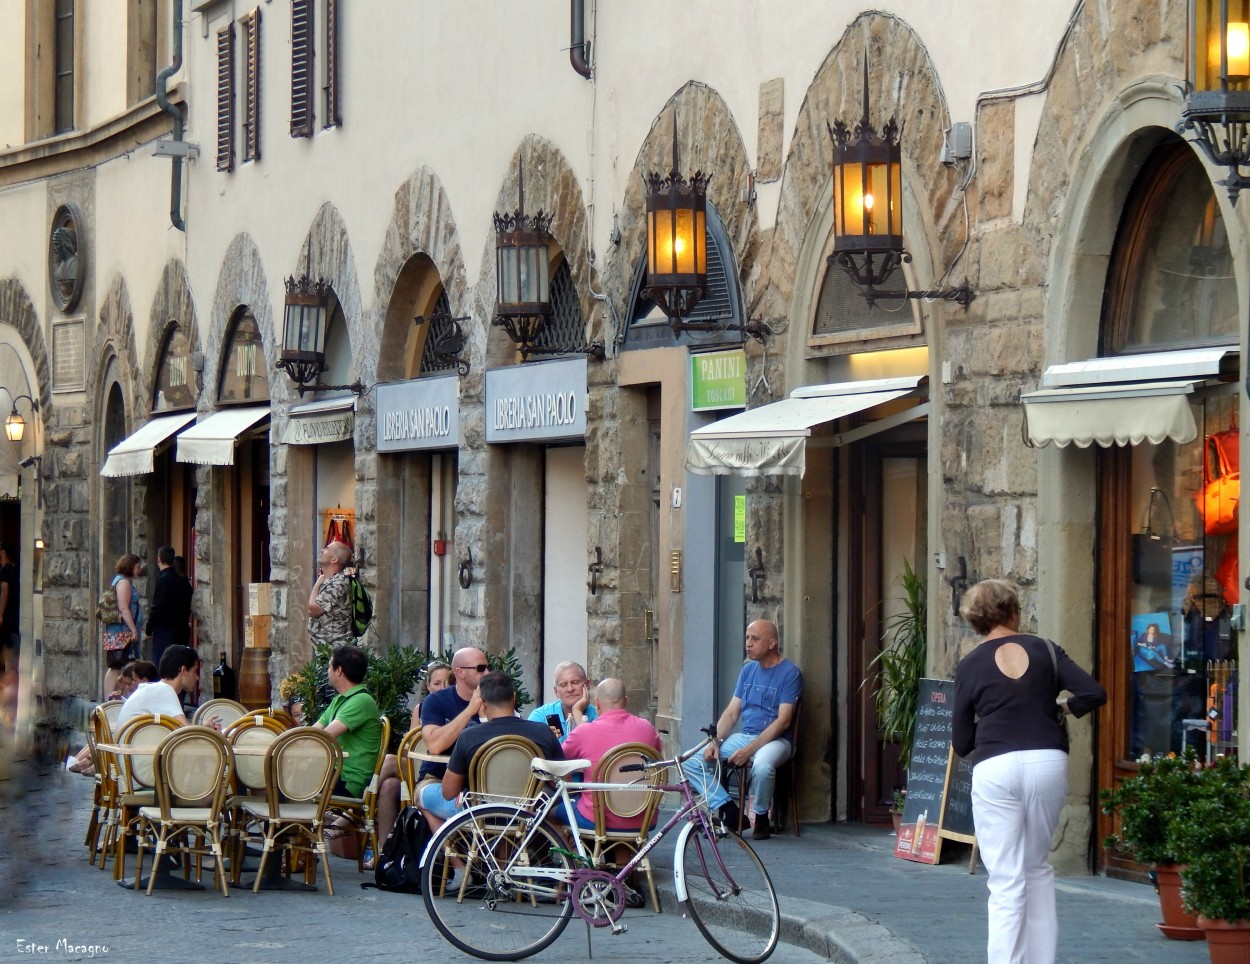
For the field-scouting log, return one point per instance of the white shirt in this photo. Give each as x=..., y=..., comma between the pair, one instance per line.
x=151, y=698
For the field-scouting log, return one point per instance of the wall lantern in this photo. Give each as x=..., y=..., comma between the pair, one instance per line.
x=304, y=335
x=677, y=248
x=445, y=340
x=14, y=424
x=523, y=301
x=1217, y=105
x=868, y=209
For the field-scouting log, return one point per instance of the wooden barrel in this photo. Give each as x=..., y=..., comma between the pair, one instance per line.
x=254, y=678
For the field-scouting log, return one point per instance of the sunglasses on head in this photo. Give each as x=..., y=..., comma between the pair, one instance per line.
x=480, y=667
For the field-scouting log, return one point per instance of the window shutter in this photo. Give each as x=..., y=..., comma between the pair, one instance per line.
x=251, y=113
x=225, y=98
x=333, y=119
x=302, y=55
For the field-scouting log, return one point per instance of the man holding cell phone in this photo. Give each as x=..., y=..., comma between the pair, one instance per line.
x=572, y=706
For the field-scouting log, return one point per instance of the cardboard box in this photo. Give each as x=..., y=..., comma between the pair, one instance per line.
x=256, y=631
x=258, y=599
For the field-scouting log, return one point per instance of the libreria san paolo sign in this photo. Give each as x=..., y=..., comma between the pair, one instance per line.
x=536, y=402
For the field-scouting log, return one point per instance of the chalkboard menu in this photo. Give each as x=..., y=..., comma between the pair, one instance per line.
x=939, y=784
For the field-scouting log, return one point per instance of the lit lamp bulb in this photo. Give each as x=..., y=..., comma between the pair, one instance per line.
x=14, y=426
x=1238, y=50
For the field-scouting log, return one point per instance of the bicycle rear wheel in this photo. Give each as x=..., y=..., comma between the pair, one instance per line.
x=734, y=906
x=477, y=889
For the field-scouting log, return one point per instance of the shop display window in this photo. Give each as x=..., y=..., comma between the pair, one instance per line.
x=1185, y=580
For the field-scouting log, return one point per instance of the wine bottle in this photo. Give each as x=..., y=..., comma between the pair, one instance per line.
x=223, y=680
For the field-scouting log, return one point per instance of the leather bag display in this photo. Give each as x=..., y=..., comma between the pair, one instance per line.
x=1152, y=547
x=1221, y=476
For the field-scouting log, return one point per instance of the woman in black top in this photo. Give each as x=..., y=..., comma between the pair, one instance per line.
x=1007, y=716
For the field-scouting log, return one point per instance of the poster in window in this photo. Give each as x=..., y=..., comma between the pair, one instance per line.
x=1153, y=649
x=1187, y=569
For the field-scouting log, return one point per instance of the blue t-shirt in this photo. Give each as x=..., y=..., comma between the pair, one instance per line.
x=440, y=709
x=556, y=708
x=762, y=691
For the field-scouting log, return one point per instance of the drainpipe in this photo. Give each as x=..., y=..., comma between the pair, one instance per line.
x=579, y=46
x=162, y=98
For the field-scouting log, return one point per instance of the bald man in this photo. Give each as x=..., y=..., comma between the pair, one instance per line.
x=768, y=688
x=329, y=603
x=613, y=726
x=446, y=714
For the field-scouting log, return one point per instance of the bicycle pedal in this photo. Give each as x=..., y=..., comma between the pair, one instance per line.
x=619, y=928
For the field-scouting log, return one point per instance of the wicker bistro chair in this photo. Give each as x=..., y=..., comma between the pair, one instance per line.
x=136, y=780
x=227, y=710
x=409, y=768
x=253, y=734
x=105, y=790
x=301, y=768
x=363, y=810
x=787, y=779
x=193, y=767
x=637, y=806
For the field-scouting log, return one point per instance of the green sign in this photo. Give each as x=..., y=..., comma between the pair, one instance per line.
x=740, y=518
x=718, y=379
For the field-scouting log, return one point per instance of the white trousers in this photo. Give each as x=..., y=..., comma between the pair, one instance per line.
x=1016, y=801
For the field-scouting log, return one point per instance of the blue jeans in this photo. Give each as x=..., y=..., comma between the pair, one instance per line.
x=763, y=771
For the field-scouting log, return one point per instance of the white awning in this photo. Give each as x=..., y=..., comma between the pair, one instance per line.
x=1125, y=399
x=212, y=441
x=325, y=420
x=772, y=439
x=136, y=455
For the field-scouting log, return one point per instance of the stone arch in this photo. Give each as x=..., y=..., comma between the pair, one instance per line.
x=242, y=281
x=17, y=310
x=172, y=302
x=902, y=83
x=326, y=252
x=421, y=223
x=115, y=346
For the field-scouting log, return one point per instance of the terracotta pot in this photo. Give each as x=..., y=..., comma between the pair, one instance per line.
x=1227, y=942
x=1178, y=925
x=898, y=820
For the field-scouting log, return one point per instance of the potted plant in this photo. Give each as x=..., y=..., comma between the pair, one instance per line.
x=896, y=807
x=1212, y=839
x=898, y=668
x=1164, y=785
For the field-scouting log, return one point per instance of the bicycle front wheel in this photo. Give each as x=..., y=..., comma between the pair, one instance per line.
x=484, y=884
x=730, y=896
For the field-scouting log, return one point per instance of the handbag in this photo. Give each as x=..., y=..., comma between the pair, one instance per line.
x=1152, y=547
x=1221, y=490
x=107, y=610
x=115, y=639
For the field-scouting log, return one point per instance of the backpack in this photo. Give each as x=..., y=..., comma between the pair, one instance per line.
x=398, y=867
x=362, y=606
x=106, y=610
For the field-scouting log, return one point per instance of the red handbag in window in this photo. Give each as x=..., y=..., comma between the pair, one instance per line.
x=1221, y=476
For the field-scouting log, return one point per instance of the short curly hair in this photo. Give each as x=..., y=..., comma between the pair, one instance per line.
x=991, y=603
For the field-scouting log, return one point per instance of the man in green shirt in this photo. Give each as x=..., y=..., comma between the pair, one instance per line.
x=352, y=719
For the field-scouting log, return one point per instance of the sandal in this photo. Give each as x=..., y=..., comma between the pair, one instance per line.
x=337, y=831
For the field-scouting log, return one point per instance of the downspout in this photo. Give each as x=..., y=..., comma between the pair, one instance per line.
x=579, y=47
x=162, y=99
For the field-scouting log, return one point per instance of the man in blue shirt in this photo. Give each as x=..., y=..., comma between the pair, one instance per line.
x=768, y=688
x=572, y=703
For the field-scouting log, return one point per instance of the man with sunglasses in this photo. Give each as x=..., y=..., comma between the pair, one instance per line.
x=445, y=714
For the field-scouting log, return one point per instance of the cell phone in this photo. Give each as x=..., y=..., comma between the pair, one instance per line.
x=554, y=721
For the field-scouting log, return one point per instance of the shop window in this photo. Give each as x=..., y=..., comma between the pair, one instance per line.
x=1172, y=281
x=1171, y=574
x=177, y=382
x=314, y=64
x=243, y=377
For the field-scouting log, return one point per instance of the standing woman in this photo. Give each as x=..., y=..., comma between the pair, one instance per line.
x=129, y=567
x=1007, y=715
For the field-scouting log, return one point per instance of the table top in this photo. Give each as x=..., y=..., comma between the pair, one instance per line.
x=425, y=757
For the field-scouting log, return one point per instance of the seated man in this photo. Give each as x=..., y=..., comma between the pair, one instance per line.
x=353, y=719
x=572, y=702
x=179, y=669
x=131, y=676
x=498, y=695
x=764, y=698
x=613, y=726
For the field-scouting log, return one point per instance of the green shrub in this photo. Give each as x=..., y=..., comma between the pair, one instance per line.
x=1164, y=785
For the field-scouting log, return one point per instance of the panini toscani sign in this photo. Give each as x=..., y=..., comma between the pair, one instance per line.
x=718, y=379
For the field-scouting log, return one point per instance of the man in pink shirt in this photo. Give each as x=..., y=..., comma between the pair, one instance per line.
x=591, y=741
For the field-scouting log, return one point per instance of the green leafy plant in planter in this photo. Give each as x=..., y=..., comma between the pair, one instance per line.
x=1212, y=840
x=392, y=676
x=898, y=668
x=1165, y=785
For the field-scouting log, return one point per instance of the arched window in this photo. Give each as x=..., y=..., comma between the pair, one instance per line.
x=177, y=381
x=243, y=375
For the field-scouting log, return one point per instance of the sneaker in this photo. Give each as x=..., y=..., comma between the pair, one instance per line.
x=730, y=816
x=762, y=829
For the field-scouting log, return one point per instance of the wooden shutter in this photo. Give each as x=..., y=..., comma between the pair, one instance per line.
x=302, y=67
x=251, y=110
x=333, y=119
x=225, y=98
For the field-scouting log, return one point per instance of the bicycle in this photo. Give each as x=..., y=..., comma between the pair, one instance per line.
x=518, y=882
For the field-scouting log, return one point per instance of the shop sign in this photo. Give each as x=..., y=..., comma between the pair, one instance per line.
x=536, y=402
x=315, y=426
x=718, y=379
x=423, y=413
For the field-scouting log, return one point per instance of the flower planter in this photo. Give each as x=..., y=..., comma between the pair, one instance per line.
x=1227, y=942
x=897, y=817
x=1178, y=924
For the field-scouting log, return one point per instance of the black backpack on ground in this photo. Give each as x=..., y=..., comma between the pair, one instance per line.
x=398, y=866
